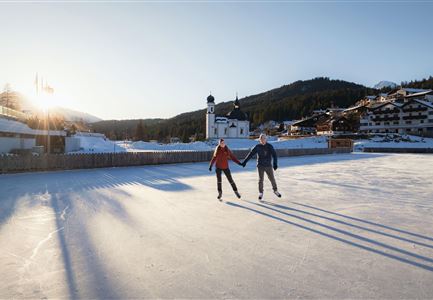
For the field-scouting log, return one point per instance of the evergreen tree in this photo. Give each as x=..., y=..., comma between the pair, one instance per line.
x=139, y=132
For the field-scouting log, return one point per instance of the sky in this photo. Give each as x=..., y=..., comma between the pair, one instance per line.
x=125, y=60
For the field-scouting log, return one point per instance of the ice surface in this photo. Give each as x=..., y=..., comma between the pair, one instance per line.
x=348, y=226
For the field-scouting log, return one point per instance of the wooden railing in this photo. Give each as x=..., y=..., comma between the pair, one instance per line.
x=45, y=162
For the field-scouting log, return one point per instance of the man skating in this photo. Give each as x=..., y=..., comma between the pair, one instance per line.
x=267, y=162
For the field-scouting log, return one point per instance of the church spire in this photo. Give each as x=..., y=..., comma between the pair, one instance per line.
x=236, y=103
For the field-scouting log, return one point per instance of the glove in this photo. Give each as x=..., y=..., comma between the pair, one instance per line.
x=210, y=168
x=243, y=164
x=275, y=167
x=239, y=163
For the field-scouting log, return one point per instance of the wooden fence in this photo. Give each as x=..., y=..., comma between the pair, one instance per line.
x=45, y=162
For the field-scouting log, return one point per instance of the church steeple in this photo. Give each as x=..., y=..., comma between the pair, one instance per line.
x=237, y=104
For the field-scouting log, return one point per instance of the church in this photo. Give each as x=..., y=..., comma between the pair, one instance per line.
x=234, y=125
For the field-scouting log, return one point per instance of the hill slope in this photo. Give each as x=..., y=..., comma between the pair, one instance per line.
x=287, y=102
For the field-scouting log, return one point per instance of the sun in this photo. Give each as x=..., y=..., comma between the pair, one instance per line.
x=46, y=102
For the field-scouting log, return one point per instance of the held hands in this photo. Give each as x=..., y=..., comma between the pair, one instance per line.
x=275, y=167
x=243, y=164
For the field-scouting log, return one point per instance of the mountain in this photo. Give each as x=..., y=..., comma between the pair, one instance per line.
x=17, y=101
x=385, y=84
x=292, y=101
x=75, y=116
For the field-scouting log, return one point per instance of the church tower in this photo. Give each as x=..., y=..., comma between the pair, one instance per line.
x=210, y=118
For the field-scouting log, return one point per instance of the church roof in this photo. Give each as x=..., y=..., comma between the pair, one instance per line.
x=236, y=113
x=210, y=99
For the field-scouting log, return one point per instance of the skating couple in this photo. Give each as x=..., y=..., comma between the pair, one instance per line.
x=266, y=163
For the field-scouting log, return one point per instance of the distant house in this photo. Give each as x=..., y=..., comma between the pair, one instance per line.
x=334, y=125
x=307, y=126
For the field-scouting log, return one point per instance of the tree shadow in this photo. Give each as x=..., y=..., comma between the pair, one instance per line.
x=366, y=221
x=296, y=161
x=349, y=224
x=7, y=209
x=78, y=251
x=343, y=240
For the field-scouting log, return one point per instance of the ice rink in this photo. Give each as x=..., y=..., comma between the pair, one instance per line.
x=348, y=226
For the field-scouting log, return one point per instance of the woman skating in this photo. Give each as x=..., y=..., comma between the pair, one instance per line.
x=220, y=157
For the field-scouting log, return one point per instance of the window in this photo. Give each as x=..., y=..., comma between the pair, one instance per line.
x=430, y=112
x=421, y=121
x=242, y=131
x=225, y=131
x=211, y=109
x=395, y=122
x=216, y=131
x=377, y=123
x=408, y=122
x=386, y=123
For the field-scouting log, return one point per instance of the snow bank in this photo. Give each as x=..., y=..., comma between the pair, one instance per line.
x=394, y=141
x=140, y=146
x=97, y=144
x=91, y=144
x=313, y=142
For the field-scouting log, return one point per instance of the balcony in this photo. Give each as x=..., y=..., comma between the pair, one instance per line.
x=379, y=119
x=421, y=117
x=415, y=109
x=386, y=111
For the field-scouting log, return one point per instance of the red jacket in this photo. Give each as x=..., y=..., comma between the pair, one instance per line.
x=221, y=157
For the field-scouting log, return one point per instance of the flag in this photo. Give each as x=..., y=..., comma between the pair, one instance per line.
x=48, y=89
x=37, y=83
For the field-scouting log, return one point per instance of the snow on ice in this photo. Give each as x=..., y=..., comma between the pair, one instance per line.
x=348, y=226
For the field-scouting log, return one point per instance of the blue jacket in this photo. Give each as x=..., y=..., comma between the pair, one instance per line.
x=265, y=154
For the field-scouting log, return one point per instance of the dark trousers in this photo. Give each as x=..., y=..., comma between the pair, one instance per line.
x=270, y=172
x=229, y=178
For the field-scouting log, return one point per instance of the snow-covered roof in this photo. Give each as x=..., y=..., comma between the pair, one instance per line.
x=423, y=93
x=386, y=103
x=221, y=120
x=11, y=126
x=289, y=122
x=411, y=90
x=355, y=107
x=426, y=103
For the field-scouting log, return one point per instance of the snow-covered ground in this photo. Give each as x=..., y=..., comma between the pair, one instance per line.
x=99, y=144
x=394, y=141
x=348, y=226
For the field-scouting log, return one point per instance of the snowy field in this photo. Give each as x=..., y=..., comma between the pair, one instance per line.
x=348, y=226
x=99, y=144
x=394, y=141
